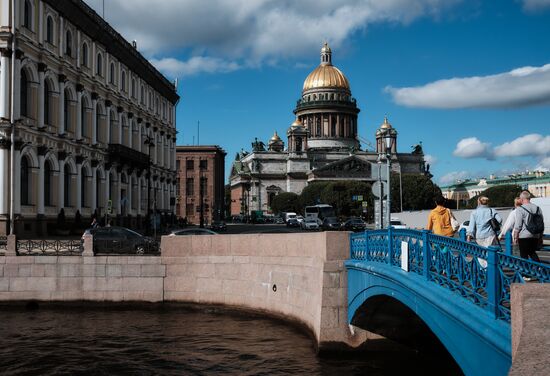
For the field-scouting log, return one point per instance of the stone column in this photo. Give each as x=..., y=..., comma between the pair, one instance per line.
x=61, y=117
x=120, y=111
x=17, y=179
x=41, y=73
x=140, y=142
x=79, y=185
x=117, y=195
x=17, y=88
x=4, y=173
x=94, y=119
x=40, y=201
x=108, y=121
x=78, y=132
x=138, y=195
x=5, y=65
x=94, y=187
x=61, y=182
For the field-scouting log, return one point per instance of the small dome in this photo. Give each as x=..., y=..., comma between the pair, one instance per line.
x=297, y=123
x=275, y=137
x=326, y=48
x=385, y=124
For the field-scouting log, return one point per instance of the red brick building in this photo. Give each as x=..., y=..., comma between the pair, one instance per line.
x=200, y=175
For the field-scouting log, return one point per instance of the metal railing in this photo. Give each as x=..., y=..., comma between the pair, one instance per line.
x=481, y=275
x=48, y=247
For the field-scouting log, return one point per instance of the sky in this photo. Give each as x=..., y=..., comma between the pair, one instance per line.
x=470, y=79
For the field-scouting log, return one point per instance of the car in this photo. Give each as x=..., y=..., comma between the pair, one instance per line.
x=354, y=224
x=397, y=224
x=193, y=231
x=114, y=239
x=278, y=221
x=218, y=226
x=464, y=225
x=292, y=222
x=300, y=219
x=310, y=224
x=331, y=223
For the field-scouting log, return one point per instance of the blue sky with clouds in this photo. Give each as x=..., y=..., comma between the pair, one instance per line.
x=468, y=78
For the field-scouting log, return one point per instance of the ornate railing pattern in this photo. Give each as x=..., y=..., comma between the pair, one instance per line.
x=481, y=275
x=48, y=247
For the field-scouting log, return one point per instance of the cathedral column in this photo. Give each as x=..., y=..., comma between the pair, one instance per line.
x=61, y=111
x=41, y=74
x=5, y=64
x=17, y=87
x=17, y=179
x=4, y=173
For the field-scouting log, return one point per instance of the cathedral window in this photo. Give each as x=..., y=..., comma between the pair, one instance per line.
x=49, y=30
x=24, y=94
x=85, y=54
x=69, y=43
x=25, y=181
x=47, y=184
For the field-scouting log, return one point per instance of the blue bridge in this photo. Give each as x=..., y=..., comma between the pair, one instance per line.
x=458, y=290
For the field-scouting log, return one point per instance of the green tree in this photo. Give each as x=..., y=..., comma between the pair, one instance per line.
x=418, y=192
x=286, y=201
x=340, y=194
x=499, y=196
x=311, y=194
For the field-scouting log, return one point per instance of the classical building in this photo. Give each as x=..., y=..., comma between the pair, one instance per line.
x=536, y=182
x=93, y=122
x=200, y=183
x=322, y=144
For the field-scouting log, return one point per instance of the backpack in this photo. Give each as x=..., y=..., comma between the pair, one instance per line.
x=494, y=223
x=535, y=222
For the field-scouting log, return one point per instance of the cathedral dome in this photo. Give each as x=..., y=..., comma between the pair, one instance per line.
x=326, y=75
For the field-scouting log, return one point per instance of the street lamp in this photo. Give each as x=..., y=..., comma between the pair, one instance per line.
x=150, y=144
x=388, y=140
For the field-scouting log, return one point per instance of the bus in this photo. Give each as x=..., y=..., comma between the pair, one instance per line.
x=319, y=212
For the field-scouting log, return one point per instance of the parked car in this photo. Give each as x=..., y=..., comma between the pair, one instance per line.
x=464, y=225
x=218, y=226
x=300, y=220
x=397, y=224
x=292, y=222
x=193, y=231
x=278, y=220
x=121, y=240
x=310, y=224
x=331, y=223
x=354, y=224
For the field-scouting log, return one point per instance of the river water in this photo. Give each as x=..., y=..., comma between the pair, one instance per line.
x=177, y=340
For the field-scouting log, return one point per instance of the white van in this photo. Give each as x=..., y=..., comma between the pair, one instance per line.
x=544, y=204
x=289, y=215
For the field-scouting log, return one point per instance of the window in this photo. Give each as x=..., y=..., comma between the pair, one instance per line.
x=27, y=15
x=123, y=81
x=83, y=179
x=204, y=183
x=25, y=181
x=133, y=88
x=142, y=94
x=66, y=110
x=47, y=113
x=85, y=54
x=189, y=210
x=69, y=44
x=67, y=186
x=49, y=30
x=177, y=165
x=203, y=164
x=97, y=127
x=47, y=184
x=190, y=187
x=99, y=68
x=190, y=164
x=24, y=93
x=112, y=73
x=83, y=120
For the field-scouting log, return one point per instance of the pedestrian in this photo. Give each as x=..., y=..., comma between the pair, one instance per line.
x=509, y=223
x=480, y=223
x=440, y=219
x=94, y=223
x=528, y=227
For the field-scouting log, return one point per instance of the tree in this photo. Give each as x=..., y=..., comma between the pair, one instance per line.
x=340, y=196
x=499, y=196
x=311, y=194
x=418, y=192
x=284, y=202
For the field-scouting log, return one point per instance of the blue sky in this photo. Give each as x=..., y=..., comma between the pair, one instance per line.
x=470, y=79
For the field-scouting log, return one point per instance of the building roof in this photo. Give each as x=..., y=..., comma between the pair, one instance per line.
x=199, y=149
x=513, y=179
x=326, y=75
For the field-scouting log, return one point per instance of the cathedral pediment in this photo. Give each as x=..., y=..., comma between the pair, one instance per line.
x=352, y=167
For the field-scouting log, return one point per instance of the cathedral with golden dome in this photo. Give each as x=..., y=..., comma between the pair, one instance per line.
x=322, y=145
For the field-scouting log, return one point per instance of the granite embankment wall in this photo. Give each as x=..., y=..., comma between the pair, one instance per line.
x=300, y=277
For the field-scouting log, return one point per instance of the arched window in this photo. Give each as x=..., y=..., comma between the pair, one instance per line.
x=99, y=67
x=123, y=81
x=47, y=184
x=133, y=88
x=67, y=186
x=142, y=94
x=157, y=106
x=83, y=179
x=24, y=93
x=112, y=74
x=47, y=112
x=150, y=100
x=97, y=119
x=85, y=54
x=66, y=105
x=27, y=15
x=69, y=43
x=84, y=120
x=25, y=181
x=49, y=30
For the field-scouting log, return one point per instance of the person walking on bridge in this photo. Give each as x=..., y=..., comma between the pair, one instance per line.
x=528, y=227
x=480, y=227
x=439, y=220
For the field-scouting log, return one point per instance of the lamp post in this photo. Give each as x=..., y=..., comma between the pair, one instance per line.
x=150, y=144
x=388, y=140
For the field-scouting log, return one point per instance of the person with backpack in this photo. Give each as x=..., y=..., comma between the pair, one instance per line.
x=528, y=227
x=440, y=220
x=484, y=223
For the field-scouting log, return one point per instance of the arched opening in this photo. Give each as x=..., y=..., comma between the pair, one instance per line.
x=27, y=15
x=113, y=134
x=47, y=109
x=84, y=118
x=67, y=176
x=85, y=54
x=123, y=81
x=49, y=30
x=69, y=43
x=99, y=65
x=133, y=88
x=25, y=181
x=24, y=84
x=48, y=183
x=142, y=95
x=112, y=73
x=84, y=189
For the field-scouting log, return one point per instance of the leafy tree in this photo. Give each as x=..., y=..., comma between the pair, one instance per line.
x=311, y=194
x=340, y=194
x=499, y=196
x=418, y=192
x=286, y=201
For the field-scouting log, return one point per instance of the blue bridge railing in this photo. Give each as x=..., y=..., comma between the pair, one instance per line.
x=481, y=275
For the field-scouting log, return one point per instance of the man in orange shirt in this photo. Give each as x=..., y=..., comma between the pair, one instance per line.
x=439, y=220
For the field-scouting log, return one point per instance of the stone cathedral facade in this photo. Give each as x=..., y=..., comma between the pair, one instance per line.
x=322, y=144
x=93, y=121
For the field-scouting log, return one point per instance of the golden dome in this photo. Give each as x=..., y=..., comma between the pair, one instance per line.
x=297, y=123
x=326, y=75
x=275, y=137
x=385, y=124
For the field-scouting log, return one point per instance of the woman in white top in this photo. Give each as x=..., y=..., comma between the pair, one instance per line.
x=509, y=224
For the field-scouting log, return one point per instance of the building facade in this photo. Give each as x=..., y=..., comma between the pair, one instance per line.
x=93, y=122
x=200, y=191
x=322, y=144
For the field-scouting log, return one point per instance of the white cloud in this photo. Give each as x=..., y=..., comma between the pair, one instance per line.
x=473, y=148
x=521, y=87
x=543, y=165
x=453, y=176
x=531, y=144
x=255, y=31
x=535, y=5
x=197, y=64
x=430, y=159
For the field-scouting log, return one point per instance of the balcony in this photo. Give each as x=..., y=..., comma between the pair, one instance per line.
x=127, y=156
